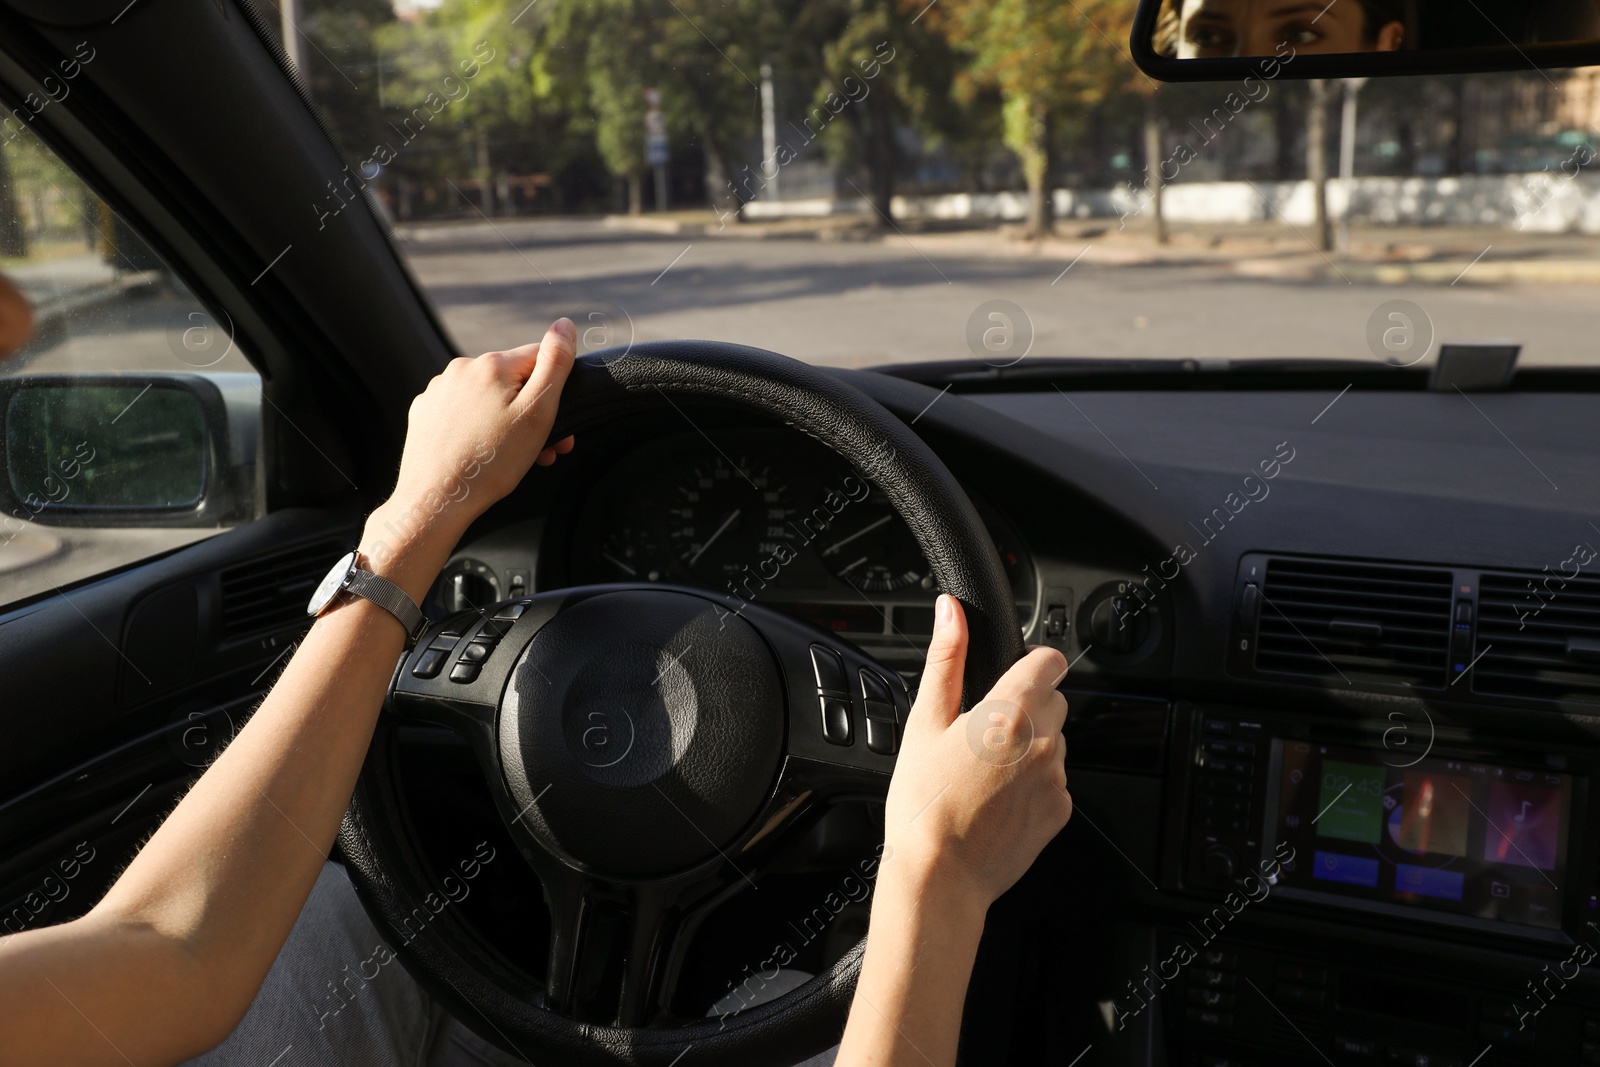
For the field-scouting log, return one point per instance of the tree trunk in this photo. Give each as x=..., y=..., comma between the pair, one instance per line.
x=1152, y=162
x=881, y=156
x=13, y=235
x=1461, y=142
x=724, y=203
x=1029, y=128
x=1317, y=162
x=635, y=195
x=1405, y=161
x=1283, y=127
x=485, y=174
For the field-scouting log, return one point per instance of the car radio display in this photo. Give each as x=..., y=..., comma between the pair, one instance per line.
x=1470, y=838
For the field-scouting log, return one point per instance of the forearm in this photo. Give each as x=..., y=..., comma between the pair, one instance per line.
x=191, y=928
x=265, y=816
x=921, y=946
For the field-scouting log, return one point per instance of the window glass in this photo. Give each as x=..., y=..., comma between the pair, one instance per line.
x=959, y=179
x=129, y=419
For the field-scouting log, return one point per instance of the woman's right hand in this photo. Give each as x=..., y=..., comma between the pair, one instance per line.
x=976, y=797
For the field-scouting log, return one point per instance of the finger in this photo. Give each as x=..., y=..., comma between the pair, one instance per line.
x=1030, y=682
x=1058, y=761
x=939, y=695
x=547, y=458
x=565, y=445
x=554, y=362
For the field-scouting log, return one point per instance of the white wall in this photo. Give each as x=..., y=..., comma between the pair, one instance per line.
x=1545, y=202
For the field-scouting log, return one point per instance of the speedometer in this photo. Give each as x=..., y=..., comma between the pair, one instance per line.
x=729, y=518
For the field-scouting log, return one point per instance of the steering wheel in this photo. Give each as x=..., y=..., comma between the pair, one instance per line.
x=651, y=748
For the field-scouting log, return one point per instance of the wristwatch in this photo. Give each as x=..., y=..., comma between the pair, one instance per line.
x=347, y=576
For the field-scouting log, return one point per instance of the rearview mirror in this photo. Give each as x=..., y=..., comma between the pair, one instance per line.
x=1214, y=40
x=119, y=450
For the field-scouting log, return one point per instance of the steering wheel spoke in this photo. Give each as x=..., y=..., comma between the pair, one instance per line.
x=617, y=951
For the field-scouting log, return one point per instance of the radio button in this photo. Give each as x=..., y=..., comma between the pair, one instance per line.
x=1227, y=787
x=1215, y=999
x=1231, y=768
x=1222, y=1020
x=1211, y=978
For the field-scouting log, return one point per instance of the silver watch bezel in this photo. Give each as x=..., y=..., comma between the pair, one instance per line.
x=328, y=590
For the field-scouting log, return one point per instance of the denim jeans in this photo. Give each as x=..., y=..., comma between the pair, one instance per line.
x=319, y=1005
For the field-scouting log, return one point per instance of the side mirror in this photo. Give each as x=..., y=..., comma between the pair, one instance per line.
x=134, y=450
x=1218, y=40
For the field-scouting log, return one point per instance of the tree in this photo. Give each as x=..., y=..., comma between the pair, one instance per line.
x=1152, y=163
x=1045, y=58
x=460, y=91
x=879, y=71
x=700, y=54
x=1317, y=161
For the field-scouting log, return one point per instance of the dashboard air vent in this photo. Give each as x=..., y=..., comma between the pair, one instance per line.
x=271, y=592
x=1538, y=637
x=1355, y=621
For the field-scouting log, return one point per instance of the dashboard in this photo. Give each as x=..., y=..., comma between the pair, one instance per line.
x=764, y=515
x=1265, y=603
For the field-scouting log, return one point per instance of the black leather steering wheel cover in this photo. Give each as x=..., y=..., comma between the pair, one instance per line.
x=448, y=959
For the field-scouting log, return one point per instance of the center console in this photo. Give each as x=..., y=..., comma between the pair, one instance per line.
x=1393, y=875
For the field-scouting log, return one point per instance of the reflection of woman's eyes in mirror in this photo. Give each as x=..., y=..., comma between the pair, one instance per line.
x=1300, y=34
x=1212, y=39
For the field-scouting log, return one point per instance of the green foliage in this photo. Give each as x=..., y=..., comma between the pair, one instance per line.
x=1047, y=59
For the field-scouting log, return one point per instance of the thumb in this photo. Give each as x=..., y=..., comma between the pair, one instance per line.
x=553, y=362
x=939, y=695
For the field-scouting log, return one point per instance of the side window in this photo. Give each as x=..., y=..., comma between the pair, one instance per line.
x=129, y=417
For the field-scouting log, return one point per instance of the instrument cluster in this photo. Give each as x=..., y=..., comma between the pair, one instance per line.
x=772, y=517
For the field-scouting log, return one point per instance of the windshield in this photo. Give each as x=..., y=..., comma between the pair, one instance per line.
x=874, y=182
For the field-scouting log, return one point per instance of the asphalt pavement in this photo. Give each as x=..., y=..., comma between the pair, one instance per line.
x=907, y=296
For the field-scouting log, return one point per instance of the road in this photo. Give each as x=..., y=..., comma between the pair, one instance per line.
x=900, y=298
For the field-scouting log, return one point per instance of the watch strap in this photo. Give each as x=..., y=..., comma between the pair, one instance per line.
x=390, y=597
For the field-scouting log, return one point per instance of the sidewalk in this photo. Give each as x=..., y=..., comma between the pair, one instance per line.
x=59, y=287
x=1398, y=255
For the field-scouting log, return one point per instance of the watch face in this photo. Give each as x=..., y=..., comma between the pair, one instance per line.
x=331, y=585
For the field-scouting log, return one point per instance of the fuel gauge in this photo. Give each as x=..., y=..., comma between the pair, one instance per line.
x=630, y=554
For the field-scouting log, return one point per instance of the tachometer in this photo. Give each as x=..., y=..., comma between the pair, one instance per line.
x=727, y=518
